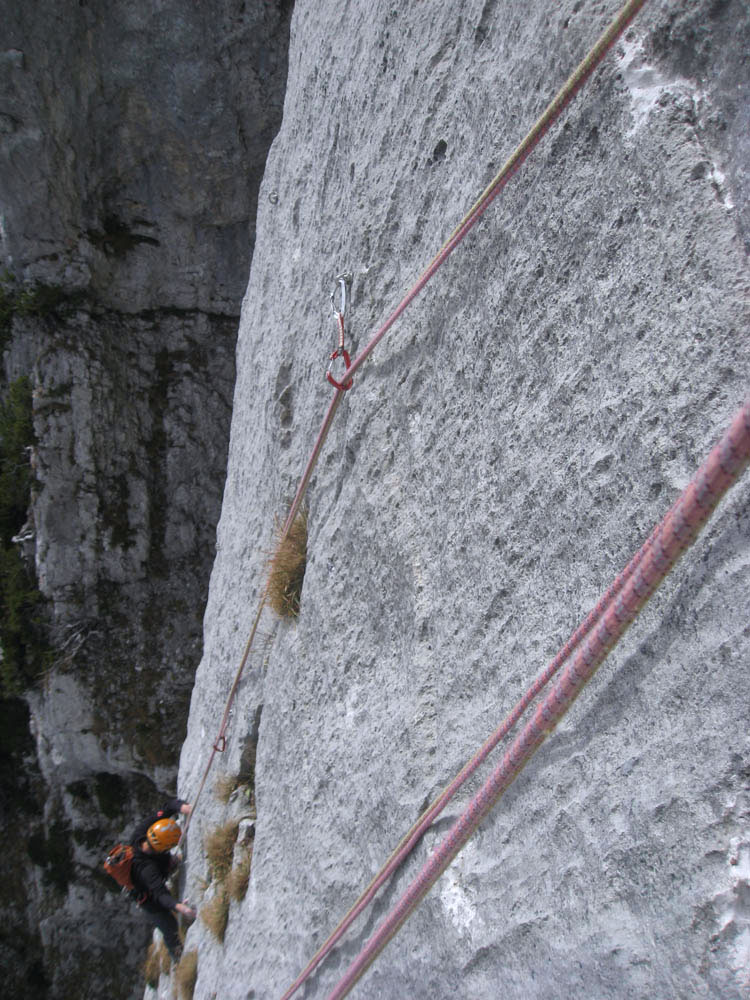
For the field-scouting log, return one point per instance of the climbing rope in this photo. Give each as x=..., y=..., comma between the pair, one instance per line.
x=343, y=282
x=220, y=743
x=412, y=838
x=553, y=112
x=565, y=95
x=562, y=99
x=670, y=539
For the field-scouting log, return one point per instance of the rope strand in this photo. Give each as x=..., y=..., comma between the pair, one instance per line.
x=556, y=107
x=562, y=99
x=410, y=839
x=671, y=538
x=552, y=113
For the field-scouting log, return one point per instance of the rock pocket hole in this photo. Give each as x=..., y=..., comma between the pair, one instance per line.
x=240, y=787
x=438, y=153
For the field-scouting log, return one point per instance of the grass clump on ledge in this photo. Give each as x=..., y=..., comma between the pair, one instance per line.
x=156, y=964
x=219, y=847
x=215, y=914
x=239, y=877
x=287, y=569
x=186, y=974
x=224, y=786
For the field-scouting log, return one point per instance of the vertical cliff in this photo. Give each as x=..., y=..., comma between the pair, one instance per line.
x=507, y=448
x=132, y=143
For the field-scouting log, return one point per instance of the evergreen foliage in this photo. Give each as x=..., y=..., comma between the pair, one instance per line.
x=25, y=652
x=16, y=434
x=35, y=299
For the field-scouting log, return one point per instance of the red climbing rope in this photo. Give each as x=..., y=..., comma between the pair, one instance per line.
x=220, y=743
x=671, y=538
x=599, y=618
x=563, y=98
x=565, y=95
x=412, y=838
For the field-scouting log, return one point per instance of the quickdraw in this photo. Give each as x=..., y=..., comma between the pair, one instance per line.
x=342, y=282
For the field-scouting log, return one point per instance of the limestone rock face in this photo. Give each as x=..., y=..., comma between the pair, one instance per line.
x=132, y=142
x=509, y=445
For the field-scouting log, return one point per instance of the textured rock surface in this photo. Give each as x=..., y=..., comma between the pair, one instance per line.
x=132, y=142
x=505, y=451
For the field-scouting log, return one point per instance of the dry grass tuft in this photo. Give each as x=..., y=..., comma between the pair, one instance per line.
x=219, y=847
x=156, y=964
x=287, y=570
x=215, y=914
x=224, y=785
x=186, y=974
x=239, y=877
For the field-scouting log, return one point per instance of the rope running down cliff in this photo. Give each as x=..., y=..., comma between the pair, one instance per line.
x=672, y=537
x=565, y=95
x=563, y=98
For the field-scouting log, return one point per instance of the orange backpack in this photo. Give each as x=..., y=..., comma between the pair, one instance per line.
x=118, y=863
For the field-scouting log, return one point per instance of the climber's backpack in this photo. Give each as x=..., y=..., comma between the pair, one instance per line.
x=118, y=864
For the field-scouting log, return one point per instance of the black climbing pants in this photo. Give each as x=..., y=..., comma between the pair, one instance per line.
x=166, y=922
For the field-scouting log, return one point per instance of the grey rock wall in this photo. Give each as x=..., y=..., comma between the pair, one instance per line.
x=508, y=447
x=132, y=143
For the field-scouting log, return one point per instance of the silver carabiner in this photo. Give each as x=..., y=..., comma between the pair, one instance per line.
x=343, y=281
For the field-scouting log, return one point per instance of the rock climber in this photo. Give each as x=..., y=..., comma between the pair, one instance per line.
x=152, y=865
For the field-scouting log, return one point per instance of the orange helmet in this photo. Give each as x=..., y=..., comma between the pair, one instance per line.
x=163, y=834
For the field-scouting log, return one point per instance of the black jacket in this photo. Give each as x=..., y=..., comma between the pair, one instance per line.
x=150, y=871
